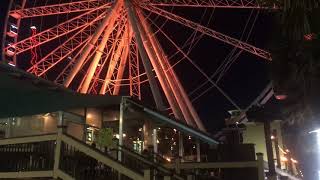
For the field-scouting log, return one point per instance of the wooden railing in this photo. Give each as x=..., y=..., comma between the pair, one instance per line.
x=204, y=169
x=61, y=156
x=30, y=156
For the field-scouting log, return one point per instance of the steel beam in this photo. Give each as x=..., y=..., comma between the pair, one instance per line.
x=145, y=59
x=110, y=16
x=205, y=30
x=56, y=9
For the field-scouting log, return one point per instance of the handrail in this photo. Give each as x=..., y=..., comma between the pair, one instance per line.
x=214, y=165
x=86, y=149
x=29, y=139
x=281, y=172
x=157, y=166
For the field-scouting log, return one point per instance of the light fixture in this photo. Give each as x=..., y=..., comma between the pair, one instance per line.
x=283, y=159
x=294, y=161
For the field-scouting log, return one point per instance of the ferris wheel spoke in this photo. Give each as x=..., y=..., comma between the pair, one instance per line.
x=66, y=70
x=182, y=99
x=62, y=51
x=123, y=62
x=59, y=30
x=110, y=17
x=248, y=4
x=62, y=8
x=134, y=72
x=205, y=30
x=94, y=63
x=115, y=58
x=200, y=70
x=94, y=85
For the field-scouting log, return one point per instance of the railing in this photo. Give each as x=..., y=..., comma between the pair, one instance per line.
x=81, y=166
x=132, y=159
x=31, y=156
x=61, y=156
x=210, y=170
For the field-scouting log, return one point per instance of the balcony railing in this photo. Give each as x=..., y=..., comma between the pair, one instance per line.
x=62, y=156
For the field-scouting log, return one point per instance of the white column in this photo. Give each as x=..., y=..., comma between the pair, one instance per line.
x=121, y=128
x=198, y=151
x=57, y=151
x=261, y=174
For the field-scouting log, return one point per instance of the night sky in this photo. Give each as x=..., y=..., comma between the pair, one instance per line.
x=243, y=82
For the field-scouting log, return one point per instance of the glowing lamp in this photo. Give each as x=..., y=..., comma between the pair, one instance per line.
x=283, y=159
x=281, y=97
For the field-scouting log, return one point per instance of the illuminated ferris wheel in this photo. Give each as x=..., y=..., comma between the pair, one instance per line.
x=113, y=47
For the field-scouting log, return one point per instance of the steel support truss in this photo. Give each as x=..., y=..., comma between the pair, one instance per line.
x=253, y=4
x=62, y=29
x=63, y=8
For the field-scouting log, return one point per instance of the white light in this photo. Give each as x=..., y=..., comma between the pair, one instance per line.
x=294, y=161
x=11, y=64
x=33, y=27
x=315, y=131
x=14, y=26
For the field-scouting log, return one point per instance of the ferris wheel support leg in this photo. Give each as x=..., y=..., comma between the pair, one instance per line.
x=172, y=80
x=145, y=59
x=109, y=17
x=94, y=63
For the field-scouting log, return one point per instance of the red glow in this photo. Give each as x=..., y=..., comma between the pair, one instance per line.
x=281, y=96
x=309, y=37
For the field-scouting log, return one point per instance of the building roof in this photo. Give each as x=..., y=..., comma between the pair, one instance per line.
x=22, y=94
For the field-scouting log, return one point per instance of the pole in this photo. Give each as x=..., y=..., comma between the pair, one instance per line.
x=272, y=168
x=198, y=151
x=121, y=128
x=261, y=174
x=57, y=151
x=276, y=147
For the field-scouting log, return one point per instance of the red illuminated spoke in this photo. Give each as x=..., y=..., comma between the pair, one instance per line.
x=79, y=6
x=134, y=72
x=63, y=51
x=59, y=30
x=217, y=35
x=123, y=62
x=208, y=3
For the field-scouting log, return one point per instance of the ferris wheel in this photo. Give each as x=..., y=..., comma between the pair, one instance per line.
x=113, y=47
